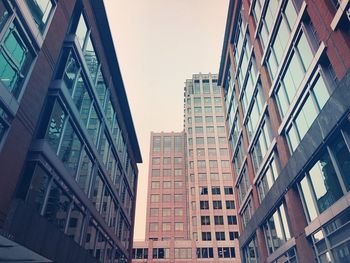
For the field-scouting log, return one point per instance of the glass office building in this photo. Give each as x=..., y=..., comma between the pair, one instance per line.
x=285, y=74
x=68, y=148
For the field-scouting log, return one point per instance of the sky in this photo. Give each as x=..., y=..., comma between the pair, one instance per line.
x=160, y=44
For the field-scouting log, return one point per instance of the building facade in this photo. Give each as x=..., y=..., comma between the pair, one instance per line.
x=285, y=74
x=191, y=213
x=68, y=148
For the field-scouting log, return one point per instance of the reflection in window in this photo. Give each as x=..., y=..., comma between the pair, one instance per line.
x=38, y=188
x=15, y=61
x=85, y=171
x=75, y=223
x=276, y=229
x=71, y=72
x=97, y=192
x=40, y=10
x=70, y=149
x=57, y=207
x=54, y=131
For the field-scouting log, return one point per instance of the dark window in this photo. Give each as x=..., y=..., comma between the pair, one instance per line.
x=215, y=190
x=218, y=220
x=206, y=236
x=220, y=235
x=228, y=190
x=205, y=220
x=232, y=220
x=230, y=204
x=217, y=205
x=204, y=205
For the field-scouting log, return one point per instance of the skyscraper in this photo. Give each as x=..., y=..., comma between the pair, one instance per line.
x=68, y=148
x=191, y=214
x=285, y=74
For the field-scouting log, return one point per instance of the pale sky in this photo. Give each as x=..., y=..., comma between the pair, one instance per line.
x=160, y=44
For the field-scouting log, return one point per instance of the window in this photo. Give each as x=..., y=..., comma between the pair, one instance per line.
x=303, y=120
x=166, y=172
x=155, y=198
x=16, y=58
x=243, y=184
x=232, y=220
x=155, y=184
x=177, y=160
x=255, y=112
x=178, y=212
x=205, y=220
x=70, y=148
x=220, y=236
x=166, y=160
x=200, y=140
x=230, y=204
x=202, y=176
x=201, y=164
x=247, y=211
x=294, y=74
x=215, y=190
x=183, y=253
x=155, y=172
x=204, y=205
x=225, y=164
x=179, y=226
x=140, y=253
x=250, y=251
x=200, y=152
x=238, y=156
x=160, y=253
x=156, y=143
x=178, y=184
x=321, y=186
x=166, y=198
x=212, y=152
x=203, y=190
x=153, y=227
x=178, y=197
x=211, y=140
x=166, y=212
x=166, y=226
x=210, y=129
x=55, y=128
x=166, y=184
x=155, y=160
x=154, y=211
x=213, y=164
x=276, y=229
x=214, y=177
x=233, y=235
x=206, y=252
x=228, y=190
x=206, y=236
x=218, y=220
x=268, y=178
x=226, y=252
x=262, y=144
x=217, y=205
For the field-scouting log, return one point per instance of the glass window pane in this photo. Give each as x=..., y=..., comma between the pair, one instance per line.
x=57, y=207
x=342, y=156
x=311, y=209
x=54, y=131
x=97, y=192
x=325, y=182
x=70, y=149
x=81, y=31
x=40, y=10
x=94, y=124
x=305, y=51
x=321, y=92
x=38, y=188
x=75, y=224
x=71, y=72
x=85, y=172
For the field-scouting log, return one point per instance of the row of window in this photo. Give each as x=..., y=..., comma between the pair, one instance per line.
x=177, y=211
x=218, y=220
x=167, y=160
x=209, y=140
x=207, y=119
x=217, y=204
x=209, y=129
x=213, y=177
x=167, y=172
x=212, y=164
x=200, y=152
x=53, y=200
x=206, y=100
x=155, y=198
x=69, y=147
x=207, y=109
x=166, y=226
x=169, y=143
x=167, y=184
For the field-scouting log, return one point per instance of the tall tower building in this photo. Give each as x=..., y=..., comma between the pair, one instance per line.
x=285, y=72
x=68, y=147
x=191, y=213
